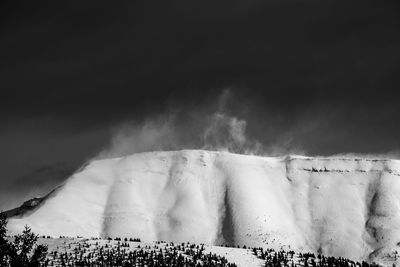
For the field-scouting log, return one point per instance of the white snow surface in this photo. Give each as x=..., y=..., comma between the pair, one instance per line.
x=337, y=206
x=241, y=257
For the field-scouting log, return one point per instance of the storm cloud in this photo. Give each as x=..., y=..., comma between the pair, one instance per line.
x=318, y=77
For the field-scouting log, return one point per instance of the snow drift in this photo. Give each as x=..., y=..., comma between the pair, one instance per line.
x=337, y=206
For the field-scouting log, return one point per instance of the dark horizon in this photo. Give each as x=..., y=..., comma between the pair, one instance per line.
x=319, y=77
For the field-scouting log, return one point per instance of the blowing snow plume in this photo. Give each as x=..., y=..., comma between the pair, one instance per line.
x=152, y=135
x=216, y=130
x=225, y=133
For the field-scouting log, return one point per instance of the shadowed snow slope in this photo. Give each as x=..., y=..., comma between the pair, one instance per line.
x=337, y=206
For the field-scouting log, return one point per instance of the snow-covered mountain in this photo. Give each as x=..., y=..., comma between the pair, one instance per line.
x=337, y=206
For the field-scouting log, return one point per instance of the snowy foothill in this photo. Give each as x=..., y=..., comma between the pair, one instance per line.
x=66, y=250
x=339, y=206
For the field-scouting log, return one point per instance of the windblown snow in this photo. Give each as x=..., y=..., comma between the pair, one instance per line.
x=347, y=207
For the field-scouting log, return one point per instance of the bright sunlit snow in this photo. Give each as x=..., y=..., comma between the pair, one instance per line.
x=338, y=206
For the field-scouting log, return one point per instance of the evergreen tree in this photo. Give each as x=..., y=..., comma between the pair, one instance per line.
x=4, y=245
x=23, y=252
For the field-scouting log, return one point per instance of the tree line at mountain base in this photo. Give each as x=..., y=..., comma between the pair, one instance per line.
x=273, y=258
x=22, y=250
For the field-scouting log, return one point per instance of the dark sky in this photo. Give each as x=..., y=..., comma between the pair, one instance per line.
x=321, y=75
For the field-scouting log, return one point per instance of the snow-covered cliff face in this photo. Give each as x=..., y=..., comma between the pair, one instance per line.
x=338, y=206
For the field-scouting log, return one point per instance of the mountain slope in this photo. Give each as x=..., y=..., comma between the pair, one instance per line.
x=337, y=206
